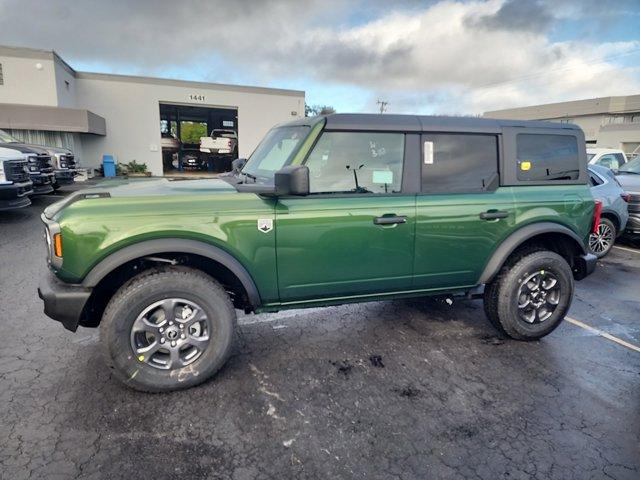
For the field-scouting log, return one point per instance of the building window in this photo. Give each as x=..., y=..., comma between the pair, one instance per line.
x=459, y=163
x=1, y=76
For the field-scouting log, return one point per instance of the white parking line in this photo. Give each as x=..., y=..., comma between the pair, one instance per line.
x=627, y=249
x=606, y=335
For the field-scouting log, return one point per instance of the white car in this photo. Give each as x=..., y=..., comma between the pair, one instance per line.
x=15, y=185
x=221, y=142
x=611, y=158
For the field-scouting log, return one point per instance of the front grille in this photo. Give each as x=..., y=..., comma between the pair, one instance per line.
x=16, y=170
x=69, y=161
x=40, y=164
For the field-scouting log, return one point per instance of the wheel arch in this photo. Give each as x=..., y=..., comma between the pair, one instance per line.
x=613, y=216
x=553, y=236
x=119, y=267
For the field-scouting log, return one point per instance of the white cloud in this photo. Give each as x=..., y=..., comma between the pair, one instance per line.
x=446, y=57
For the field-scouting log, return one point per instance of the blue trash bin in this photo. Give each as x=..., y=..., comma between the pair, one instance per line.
x=109, y=165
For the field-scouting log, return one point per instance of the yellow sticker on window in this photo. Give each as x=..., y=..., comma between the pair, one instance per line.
x=524, y=166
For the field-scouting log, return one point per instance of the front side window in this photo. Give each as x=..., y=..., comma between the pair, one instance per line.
x=459, y=163
x=275, y=150
x=356, y=162
x=543, y=157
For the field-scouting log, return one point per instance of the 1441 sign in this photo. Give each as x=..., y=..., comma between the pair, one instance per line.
x=196, y=97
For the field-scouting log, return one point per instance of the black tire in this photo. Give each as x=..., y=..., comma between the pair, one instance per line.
x=607, y=230
x=153, y=286
x=501, y=296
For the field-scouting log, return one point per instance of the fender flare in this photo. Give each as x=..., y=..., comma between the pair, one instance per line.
x=159, y=246
x=517, y=238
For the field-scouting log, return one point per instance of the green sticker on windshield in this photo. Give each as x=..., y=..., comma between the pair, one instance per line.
x=382, y=176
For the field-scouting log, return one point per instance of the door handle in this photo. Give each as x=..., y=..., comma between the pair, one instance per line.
x=493, y=215
x=390, y=220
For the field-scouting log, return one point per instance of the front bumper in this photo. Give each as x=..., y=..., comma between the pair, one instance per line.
x=65, y=177
x=63, y=302
x=633, y=224
x=42, y=183
x=15, y=195
x=584, y=265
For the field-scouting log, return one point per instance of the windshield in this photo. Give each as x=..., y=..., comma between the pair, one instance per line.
x=631, y=167
x=275, y=150
x=6, y=138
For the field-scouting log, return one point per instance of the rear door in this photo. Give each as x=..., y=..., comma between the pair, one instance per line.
x=354, y=234
x=461, y=213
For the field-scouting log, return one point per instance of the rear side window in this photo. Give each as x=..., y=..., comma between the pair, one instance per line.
x=594, y=180
x=459, y=163
x=544, y=157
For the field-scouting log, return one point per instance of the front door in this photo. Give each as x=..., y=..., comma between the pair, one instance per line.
x=462, y=213
x=354, y=234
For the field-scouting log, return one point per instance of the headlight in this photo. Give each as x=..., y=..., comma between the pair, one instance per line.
x=53, y=238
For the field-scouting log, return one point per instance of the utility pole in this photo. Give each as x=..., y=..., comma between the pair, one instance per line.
x=383, y=105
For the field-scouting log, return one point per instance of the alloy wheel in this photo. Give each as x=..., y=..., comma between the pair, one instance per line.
x=538, y=297
x=601, y=241
x=170, y=333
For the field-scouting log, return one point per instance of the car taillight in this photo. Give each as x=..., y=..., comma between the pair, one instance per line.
x=597, y=212
x=626, y=196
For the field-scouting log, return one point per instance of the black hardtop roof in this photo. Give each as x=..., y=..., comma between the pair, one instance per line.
x=423, y=123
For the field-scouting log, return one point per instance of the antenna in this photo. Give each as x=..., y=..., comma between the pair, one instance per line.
x=383, y=105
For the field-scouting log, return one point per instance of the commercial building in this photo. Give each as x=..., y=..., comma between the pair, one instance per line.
x=43, y=100
x=609, y=122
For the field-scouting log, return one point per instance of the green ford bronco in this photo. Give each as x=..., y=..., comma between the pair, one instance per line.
x=327, y=210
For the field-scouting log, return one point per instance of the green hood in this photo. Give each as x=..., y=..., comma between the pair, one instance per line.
x=143, y=187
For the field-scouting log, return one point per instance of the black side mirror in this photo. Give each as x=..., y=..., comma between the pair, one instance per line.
x=292, y=180
x=237, y=164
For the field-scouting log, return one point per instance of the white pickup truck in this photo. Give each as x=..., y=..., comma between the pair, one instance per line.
x=219, y=142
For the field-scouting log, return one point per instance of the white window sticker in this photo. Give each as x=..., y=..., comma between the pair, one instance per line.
x=428, y=153
x=382, y=176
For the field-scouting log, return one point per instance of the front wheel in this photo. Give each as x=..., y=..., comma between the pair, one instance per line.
x=168, y=329
x=601, y=242
x=530, y=296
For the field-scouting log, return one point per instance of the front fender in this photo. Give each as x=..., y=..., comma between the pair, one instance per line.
x=159, y=246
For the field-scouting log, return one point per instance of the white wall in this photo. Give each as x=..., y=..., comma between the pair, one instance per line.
x=25, y=84
x=66, y=94
x=132, y=113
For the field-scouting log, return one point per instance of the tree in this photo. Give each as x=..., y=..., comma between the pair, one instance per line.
x=313, y=110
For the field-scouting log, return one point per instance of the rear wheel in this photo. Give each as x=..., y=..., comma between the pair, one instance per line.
x=530, y=296
x=601, y=242
x=168, y=329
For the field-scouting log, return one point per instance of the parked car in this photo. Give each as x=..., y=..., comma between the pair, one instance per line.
x=629, y=177
x=611, y=158
x=38, y=160
x=605, y=188
x=220, y=148
x=219, y=142
x=15, y=185
x=327, y=210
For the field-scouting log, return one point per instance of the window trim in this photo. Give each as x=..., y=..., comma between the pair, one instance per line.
x=406, y=162
x=499, y=155
x=509, y=164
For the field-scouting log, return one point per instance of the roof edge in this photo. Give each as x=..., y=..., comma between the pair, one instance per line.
x=112, y=77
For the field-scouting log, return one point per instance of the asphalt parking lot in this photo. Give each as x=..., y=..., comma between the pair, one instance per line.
x=401, y=389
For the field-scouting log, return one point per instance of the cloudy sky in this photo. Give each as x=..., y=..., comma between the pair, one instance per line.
x=448, y=57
